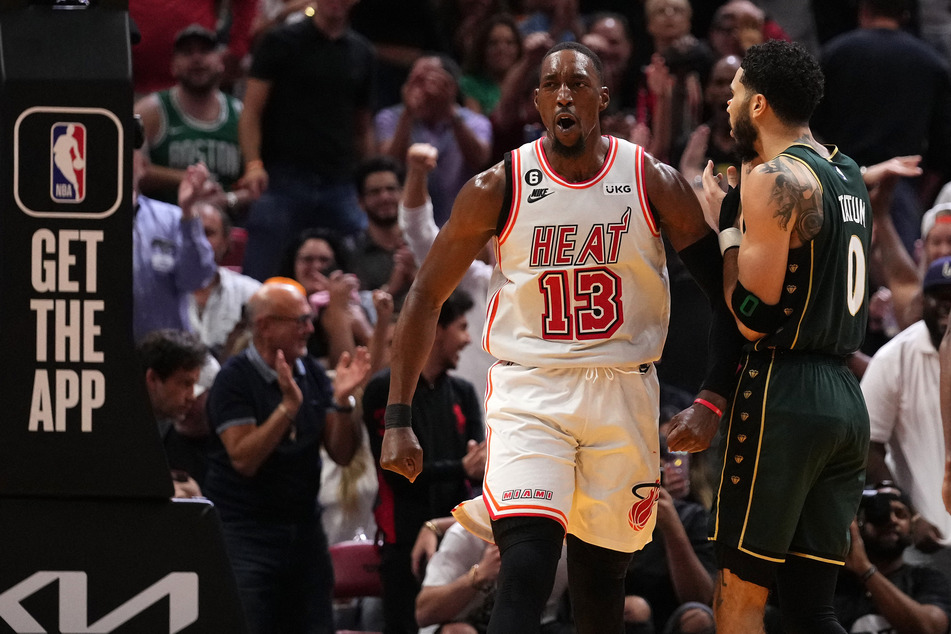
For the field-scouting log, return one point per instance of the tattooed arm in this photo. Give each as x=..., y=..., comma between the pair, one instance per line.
x=781, y=209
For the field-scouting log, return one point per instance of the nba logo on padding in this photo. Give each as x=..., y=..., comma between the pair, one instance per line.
x=68, y=162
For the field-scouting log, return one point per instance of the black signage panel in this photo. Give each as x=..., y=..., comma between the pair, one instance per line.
x=90, y=540
x=75, y=418
x=121, y=567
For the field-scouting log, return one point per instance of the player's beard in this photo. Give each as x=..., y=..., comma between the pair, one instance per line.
x=745, y=135
x=568, y=151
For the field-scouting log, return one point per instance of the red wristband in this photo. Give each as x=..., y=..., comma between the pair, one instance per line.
x=710, y=406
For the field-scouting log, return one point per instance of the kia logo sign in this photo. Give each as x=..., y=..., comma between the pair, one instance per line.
x=181, y=588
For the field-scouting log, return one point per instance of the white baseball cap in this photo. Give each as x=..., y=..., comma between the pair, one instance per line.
x=930, y=218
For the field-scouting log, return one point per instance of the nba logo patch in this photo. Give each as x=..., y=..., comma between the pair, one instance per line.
x=68, y=162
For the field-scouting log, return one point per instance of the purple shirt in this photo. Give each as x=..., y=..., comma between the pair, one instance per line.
x=170, y=258
x=451, y=171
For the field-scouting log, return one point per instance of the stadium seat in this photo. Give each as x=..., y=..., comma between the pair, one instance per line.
x=235, y=255
x=356, y=572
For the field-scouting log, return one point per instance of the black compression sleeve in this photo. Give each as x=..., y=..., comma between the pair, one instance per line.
x=530, y=548
x=724, y=348
x=705, y=264
x=729, y=208
x=725, y=343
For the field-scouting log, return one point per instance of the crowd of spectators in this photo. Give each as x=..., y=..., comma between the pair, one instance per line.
x=299, y=158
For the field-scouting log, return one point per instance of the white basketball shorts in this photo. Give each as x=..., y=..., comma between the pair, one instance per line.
x=577, y=445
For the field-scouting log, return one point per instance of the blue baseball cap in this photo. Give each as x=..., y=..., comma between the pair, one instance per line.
x=938, y=275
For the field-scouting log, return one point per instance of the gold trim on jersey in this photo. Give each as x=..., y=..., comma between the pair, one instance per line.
x=761, y=556
x=749, y=498
x=806, y=165
x=805, y=306
x=837, y=562
x=759, y=449
x=812, y=254
x=729, y=435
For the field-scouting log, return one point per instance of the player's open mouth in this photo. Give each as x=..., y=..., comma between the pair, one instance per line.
x=565, y=122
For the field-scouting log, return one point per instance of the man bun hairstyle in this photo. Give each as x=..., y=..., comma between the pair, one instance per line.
x=788, y=76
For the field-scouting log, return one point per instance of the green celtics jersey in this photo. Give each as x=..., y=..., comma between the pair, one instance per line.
x=184, y=140
x=825, y=295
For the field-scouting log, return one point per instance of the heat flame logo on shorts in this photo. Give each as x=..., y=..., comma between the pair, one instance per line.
x=642, y=509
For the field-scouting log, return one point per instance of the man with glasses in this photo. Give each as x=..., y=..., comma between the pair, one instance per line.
x=272, y=407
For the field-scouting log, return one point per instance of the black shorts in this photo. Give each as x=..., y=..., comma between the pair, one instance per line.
x=794, y=448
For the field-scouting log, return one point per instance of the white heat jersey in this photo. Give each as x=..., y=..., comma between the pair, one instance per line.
x=581, y=278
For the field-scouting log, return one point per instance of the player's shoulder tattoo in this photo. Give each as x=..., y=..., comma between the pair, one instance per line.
x=794, y=195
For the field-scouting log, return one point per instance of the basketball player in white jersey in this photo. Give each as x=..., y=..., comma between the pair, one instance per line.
x=577, y=314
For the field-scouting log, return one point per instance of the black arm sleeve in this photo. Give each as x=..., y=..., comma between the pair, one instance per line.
x=724, y=343
x=705, y=264
x=724, y=346
x=729, y=208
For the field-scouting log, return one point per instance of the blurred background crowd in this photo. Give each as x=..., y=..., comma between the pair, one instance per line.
x=334, y=136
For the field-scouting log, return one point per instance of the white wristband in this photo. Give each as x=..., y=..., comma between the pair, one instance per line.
x=729, y=238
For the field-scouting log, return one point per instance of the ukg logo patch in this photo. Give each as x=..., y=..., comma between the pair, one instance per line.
x=68, y=162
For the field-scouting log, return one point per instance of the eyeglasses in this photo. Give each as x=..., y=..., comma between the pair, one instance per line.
x=302, y=320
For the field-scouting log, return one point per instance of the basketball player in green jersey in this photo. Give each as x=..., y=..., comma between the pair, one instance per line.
x=795, y=435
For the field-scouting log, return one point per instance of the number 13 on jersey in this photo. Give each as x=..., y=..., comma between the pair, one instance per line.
x=581, y=304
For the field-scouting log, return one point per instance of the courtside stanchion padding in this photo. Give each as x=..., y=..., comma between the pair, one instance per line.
x=91, y=541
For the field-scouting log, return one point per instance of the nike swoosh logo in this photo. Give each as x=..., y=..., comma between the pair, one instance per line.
x=538, y=194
